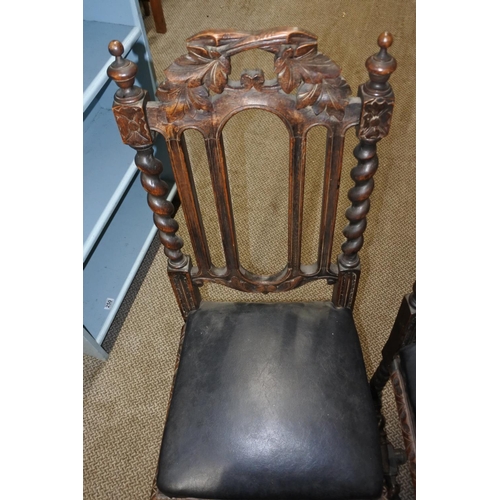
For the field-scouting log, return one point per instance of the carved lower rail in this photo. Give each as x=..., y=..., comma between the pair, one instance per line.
x=245, y=281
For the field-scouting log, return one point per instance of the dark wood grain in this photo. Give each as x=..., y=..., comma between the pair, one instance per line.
x=377, y=100
x=298, y=65
x=406, y=417
x=129, y=108
x=198, y=93
x=185, y=185
x=308, y=90
x=158, y=16
x=403, y=333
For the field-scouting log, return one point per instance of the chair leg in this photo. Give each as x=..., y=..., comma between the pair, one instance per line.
x=392, y=457
x=405, y=413
x=403, y=332
x=156, y=494
x=158, y=16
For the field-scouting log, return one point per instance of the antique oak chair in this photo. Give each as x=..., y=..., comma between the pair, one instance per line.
x=270, y=400
x=398, y=363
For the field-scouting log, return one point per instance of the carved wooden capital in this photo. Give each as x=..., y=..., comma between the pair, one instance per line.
x=298, y=65
x=132, y=123
x=376, y=94
x=376, y=117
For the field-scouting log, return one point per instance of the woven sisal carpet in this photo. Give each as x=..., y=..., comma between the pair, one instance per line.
x=125, y=398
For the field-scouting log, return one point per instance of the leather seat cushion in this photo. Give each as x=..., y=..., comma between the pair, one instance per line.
x=271, y=401
x=408, y=357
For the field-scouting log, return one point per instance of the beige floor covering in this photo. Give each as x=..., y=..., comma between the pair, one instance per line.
x=126, y=397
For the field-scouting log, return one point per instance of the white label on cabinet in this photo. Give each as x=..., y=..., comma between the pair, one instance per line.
x=109, y=303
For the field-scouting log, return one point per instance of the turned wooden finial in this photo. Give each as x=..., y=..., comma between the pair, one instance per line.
x=123, y=72
x=380, y=66
x=384, y=41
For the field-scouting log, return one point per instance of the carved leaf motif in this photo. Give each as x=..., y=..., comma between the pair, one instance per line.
x=307, y=95
x=199, y=50
x=310, y=67
x=332, y=96
x=303, y=49
x=318, y=78
x=216, y=77
x=189, y=77
x=316, y=67
x=284, y=69
x=183, y=99
x=194, y=69
x=199, y=97
x=297, y=64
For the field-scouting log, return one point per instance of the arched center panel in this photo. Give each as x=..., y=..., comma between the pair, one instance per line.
x=256, y=144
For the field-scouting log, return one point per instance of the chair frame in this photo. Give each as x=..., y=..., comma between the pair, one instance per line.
x=197, y=94
x=403, y=333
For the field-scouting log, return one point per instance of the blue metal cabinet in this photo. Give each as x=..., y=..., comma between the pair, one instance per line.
x=117, y=223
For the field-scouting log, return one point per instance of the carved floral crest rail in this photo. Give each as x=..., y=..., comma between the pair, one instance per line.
x=298, y=65
x=308, y=90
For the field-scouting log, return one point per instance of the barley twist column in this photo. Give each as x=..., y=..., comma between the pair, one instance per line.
x=377, y=104
x=130, y=111
x=157, y=189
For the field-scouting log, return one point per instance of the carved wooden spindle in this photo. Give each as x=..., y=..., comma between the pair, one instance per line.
x=129, y=110
x=158, y=189
x=377, y=105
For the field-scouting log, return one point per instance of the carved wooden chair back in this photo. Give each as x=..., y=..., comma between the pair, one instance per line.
x=198, y=94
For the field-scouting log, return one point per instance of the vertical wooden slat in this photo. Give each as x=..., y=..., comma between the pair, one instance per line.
x=220, y=182
x=185, y=186
x=333, y=167
x=296, y=198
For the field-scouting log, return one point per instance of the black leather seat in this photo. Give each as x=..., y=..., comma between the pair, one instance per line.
x=271, y=401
